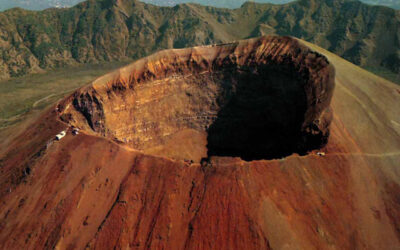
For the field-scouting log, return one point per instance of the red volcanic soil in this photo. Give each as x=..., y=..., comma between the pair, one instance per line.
x=256, y=111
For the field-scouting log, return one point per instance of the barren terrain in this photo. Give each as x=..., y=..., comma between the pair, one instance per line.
x=98, y=190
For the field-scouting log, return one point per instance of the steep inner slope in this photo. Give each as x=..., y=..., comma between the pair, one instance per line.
x=260, y=99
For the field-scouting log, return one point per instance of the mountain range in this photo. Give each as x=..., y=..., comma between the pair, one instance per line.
x=110, y=30
x=43, y=4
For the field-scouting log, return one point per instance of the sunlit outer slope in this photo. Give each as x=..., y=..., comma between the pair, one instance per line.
x=95, y=190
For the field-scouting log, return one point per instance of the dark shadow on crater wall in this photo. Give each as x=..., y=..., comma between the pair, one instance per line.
x=261, y=115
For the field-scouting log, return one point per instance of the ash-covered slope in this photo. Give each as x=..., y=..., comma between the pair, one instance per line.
x=89, y=191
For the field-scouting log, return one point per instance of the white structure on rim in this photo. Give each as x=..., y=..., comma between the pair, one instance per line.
x=61, y=135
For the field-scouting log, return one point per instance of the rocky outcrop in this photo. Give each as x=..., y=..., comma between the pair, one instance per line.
x=257, y=99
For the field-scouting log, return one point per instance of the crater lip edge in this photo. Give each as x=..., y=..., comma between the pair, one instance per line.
x=258, y=99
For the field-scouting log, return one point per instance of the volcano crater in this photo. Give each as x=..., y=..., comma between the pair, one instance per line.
x=263, y=98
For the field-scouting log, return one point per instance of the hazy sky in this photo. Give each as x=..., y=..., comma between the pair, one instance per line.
x=42, y=4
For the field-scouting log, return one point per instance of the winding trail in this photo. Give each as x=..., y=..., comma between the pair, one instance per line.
x=41, y=100
x=34, y=105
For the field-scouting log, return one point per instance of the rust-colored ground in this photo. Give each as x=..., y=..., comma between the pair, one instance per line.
x=89, y=191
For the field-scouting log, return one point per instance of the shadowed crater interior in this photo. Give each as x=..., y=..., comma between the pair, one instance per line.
x=262, y=111
x=262, y=98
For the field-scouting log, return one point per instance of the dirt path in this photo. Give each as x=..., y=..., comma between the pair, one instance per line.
x=41, y=100
x=34, y=105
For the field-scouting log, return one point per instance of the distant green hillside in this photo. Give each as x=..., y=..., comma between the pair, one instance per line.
x=111, y=30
